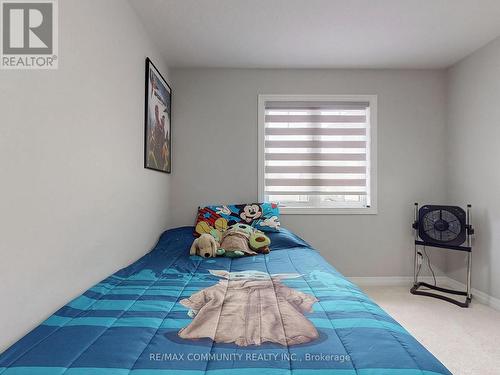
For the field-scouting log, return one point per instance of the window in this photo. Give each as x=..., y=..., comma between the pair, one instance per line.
x=317, y=154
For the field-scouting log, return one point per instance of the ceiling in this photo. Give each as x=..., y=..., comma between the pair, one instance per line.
x=319, y=33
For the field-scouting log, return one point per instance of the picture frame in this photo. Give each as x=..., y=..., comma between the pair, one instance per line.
x=157, y=121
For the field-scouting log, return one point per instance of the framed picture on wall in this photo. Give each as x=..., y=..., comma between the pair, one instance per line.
x=158, y=116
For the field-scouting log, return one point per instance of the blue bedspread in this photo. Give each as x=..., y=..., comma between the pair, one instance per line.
x=129, y=323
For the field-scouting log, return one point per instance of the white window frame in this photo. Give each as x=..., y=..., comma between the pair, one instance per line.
x=372, y=146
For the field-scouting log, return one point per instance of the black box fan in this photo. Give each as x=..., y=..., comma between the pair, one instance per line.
x=442, y=225
x=446, y=227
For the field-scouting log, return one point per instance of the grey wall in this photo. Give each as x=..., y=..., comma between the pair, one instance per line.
x=215, y=149
x=473, y=152
x=75, y=201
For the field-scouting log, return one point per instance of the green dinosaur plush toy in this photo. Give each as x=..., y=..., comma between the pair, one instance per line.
x=241, y=239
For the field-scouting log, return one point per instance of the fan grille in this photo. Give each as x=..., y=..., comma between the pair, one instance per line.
x=441, y=225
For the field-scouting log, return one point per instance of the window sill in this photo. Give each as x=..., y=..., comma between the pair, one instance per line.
x=327, y=211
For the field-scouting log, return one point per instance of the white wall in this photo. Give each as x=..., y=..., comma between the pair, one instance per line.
x=215, y=146
x=76, y=203
x=473, y=152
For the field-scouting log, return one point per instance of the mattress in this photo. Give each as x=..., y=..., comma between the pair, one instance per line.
x=288, y=312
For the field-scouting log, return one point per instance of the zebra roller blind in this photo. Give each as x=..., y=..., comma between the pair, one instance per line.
x=317, y=153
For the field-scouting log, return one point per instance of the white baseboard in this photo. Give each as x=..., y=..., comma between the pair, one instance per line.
x=477, y=295
x=393, y=280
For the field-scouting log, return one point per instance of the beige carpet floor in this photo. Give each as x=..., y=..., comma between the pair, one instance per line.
x=466, y=341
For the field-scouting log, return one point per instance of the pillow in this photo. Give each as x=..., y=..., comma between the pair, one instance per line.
x=261, y=216
x=286, y=240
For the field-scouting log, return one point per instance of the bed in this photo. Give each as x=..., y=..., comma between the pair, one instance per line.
x=288, y=312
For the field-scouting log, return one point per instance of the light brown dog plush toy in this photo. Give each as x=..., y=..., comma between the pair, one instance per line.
x=204, y=246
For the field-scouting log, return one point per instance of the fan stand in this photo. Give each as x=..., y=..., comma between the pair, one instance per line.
x=417, y=284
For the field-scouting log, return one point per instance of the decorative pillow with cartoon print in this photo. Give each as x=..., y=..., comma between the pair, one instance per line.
x=215, y=219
